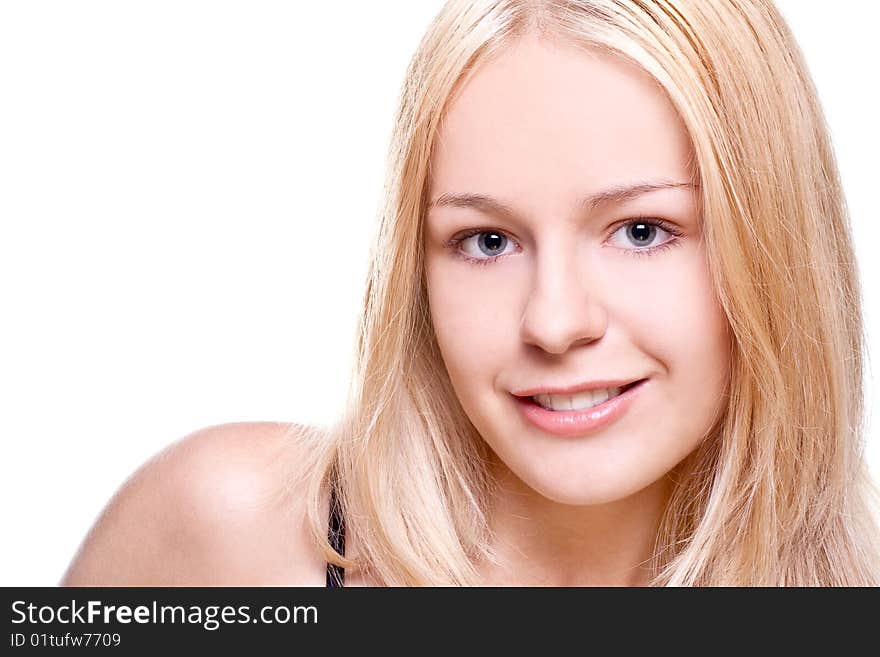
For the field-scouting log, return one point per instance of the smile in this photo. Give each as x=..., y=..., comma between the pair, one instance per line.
x=578, y=402
x=577, y=415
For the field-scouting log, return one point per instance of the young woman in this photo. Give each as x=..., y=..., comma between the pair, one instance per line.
x=611, y=334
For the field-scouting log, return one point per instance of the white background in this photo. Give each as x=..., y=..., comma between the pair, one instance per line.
x=187, y=192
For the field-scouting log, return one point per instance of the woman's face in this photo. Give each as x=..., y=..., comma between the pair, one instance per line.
x=555, y=288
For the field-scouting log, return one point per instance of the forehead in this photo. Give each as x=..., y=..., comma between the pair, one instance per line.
x=545, y=122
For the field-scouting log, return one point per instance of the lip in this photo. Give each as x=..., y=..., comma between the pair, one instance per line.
x=579, y=423
x=574, y=389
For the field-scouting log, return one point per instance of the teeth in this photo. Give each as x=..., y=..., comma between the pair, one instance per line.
x=576, y=402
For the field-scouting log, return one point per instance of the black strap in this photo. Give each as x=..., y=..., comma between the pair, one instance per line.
x=336, y=537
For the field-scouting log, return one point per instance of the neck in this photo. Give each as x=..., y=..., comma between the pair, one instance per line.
x=540, y=542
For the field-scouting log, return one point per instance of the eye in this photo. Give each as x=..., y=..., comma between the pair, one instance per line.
x=642, y=233
x=481, y=246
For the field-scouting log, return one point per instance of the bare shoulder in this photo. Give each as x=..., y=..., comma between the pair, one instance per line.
x=223, y=506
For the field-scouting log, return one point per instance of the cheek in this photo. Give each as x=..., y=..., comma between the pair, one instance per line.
x=696, y=323
x=689, y=335
x=671, y=305
x=472, y=319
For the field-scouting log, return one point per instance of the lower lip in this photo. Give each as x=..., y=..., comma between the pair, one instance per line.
x=578, y=423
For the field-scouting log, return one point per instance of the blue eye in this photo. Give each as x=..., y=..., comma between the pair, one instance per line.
x=641, y=231
x=487, y=243
x=482, y=246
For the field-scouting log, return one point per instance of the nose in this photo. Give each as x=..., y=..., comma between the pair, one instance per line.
x=564, y=305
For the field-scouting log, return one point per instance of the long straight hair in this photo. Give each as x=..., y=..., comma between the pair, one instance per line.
x=779, y=493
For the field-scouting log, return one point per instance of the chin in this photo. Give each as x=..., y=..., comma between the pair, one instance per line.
x=585, y=495
x=583, y=476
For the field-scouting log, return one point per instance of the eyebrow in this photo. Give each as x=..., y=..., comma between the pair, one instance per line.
x=590, y=202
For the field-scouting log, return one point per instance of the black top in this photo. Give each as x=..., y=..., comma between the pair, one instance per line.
x=336, y=538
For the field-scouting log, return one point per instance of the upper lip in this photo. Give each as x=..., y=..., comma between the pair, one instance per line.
x=575, y=388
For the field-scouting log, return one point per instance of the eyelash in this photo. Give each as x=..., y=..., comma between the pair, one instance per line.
x=638, y=253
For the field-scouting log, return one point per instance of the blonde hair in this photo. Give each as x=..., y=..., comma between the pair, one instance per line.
x=780, y=493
